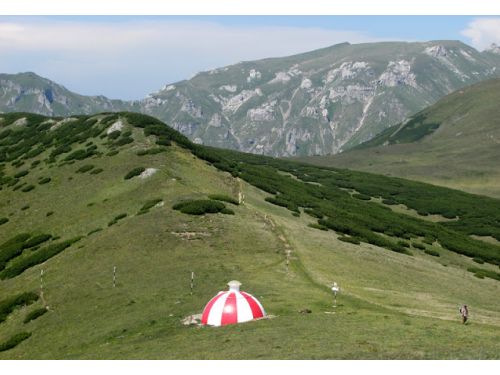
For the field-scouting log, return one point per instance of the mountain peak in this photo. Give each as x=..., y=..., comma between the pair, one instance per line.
x=494, y=48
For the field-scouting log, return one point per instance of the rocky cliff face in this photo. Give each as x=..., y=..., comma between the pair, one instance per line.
x=319, y=102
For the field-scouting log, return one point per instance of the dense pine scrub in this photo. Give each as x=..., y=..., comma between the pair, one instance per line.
x=9, y=304
x=148, y=205
x=201, y=207
x=223, y=198
x=322, y=193
x=134, y=172
x=19, y=265
x=35, y=314
x=14, y=341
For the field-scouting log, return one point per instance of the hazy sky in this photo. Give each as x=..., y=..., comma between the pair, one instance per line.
x=129, y=57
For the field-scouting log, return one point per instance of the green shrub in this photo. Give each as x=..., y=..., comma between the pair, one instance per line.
x=85, y=168
x=389, y=202
x=317, y=226
x=36, y=240
x=227, y=211
x=80, y=154
x=124, y=141
x=14, y=341
x=149, y=204
x=362, y=197
x=8, y=305
x=134, y=172
x=417, y=245
x=18, y=266
x=163, y=141
x=478, y=260
x=199, y=207
x=114, y=134
x=21, y=174
x=223, y=198
x=431, y=252
x=50, y=213
x=27, y=188
x=35, y=314
x=116, y=219
x=3, y=220
x=44, y=180
x=352, y=240
x=112, y=153
x=94, y=231
x=482, y=273
x=96, y=171
x=403, y=243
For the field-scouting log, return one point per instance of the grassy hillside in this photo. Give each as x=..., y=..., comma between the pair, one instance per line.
x=111, y=182
x=453, y=143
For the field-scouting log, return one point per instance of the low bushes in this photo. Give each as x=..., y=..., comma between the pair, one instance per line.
x=134, y=172
x=362, y=197
x=223, y=198
x=116, y=219
x=85, y=168
x=3, y=220
x=8, y=305
x=149, y=204
x=27, y=188
x=317, y=226
x=200, y=207
x=352, y=240
x=481, y=273
x=35, y=314
x=151, y=151
x=96, y=171
x=431, y=252
x=417, y=245
x=18, y=266
x=478, y=260
x=94, y=231
x=14, y=341
x=44, y=180
x=21, y=174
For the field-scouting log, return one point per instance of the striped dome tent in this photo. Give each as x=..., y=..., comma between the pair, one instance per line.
x=231, y=307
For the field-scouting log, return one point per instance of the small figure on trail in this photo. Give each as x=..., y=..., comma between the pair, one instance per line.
x=464, y=311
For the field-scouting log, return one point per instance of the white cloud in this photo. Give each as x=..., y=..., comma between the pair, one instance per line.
x=483, y=31
x=98, y=57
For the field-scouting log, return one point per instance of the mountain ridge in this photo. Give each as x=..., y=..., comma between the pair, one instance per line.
x=317, y=102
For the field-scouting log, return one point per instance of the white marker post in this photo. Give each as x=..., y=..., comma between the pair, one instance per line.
x=192, y=282
x=41, y=284
x=114, y=276
x=335, y=290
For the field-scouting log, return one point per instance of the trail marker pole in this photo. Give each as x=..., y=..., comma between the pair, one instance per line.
x=287, y=260
x=41, y=284
x=192, y=282
x=335, y=289
x=114, y=276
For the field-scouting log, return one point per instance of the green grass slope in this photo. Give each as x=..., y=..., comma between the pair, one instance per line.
x=113, y=194
x=453, y=143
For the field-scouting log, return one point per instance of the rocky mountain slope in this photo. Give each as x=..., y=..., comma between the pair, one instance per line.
x=28, y=92
x=455, y=142
x=320, y=102
x=118, y=210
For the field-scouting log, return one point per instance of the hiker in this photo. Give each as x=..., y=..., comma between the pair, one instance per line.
x=464, y=311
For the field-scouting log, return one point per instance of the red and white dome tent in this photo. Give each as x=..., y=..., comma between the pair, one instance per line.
x=231, y=307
